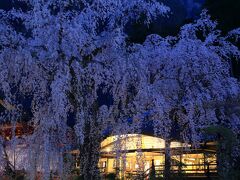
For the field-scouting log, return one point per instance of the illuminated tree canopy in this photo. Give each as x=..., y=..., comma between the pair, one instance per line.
x=69, y=54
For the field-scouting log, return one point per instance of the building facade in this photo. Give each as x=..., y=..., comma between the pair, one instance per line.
x=135, y=154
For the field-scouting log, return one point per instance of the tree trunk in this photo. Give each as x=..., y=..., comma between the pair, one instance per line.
x=167, y=163
x=89, y=154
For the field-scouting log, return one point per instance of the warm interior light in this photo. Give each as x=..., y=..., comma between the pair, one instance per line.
x=131, y=143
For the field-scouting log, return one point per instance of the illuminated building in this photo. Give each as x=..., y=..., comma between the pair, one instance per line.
x=138, y=152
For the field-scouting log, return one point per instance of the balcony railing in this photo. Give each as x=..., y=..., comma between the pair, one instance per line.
x=195, y=170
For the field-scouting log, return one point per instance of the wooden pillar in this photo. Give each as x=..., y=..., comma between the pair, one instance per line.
x=204, y=161
x=181, y=164
x=206, y=166
x=107, y=165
